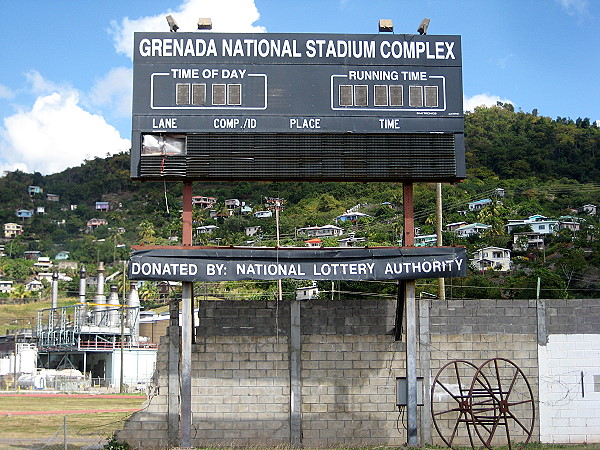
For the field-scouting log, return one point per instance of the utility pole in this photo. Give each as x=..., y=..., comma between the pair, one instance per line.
x=438, y=232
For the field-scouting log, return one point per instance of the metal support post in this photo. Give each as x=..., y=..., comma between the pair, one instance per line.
x=295, y=368
x=186, y=365
x=186, y=329
x=411, y=323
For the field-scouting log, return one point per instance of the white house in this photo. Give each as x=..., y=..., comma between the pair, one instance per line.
x=495, y=258
x=263, y=214
x=251, y=231
x=589, y=209
x=324, y=231
x=206, y=229
x=34, y=285
x=537, y=223
x=454, y=225
x=471, y=229
x=308, y=292
x=12, y=230
x=479, y=204
x=351, y=241
x=6, y=286
x=529, y=239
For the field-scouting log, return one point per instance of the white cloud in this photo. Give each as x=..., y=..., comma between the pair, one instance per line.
x=115, y=91
x=6, y=93
x=55, y=134
x=40, y=85
x=470, y=103
x=574, y=7
x=227, y=16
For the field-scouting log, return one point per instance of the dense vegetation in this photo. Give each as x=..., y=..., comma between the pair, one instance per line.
x=548, y=167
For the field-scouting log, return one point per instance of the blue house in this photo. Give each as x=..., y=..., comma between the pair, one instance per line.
x=24, y=213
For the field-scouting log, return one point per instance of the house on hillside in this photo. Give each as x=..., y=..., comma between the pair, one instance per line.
x=351, y=217
x=316, y=242
x=6, y=286
x=12, y=230
x=263, y=214
x=203, y=202
x=61, y=256
x=426, y=240
x=32, y=190
x=43, y=262
x=24, y=213
x=588, y=209
x=92, y=224
x=537, y=223
x=526, y=240
x=251, y=231
x=102, y=206
x=32, y=255
x=479, y=204
x=324, y=231
x=565, y=224
x=206, y=229
x=453, y=226
x=465, y=231
x=34, y=285
x=52, y=197
x=232, y=203
x=351, y=241
x=495, y=258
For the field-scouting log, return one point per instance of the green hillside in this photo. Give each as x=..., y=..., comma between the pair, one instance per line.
x=548, y=167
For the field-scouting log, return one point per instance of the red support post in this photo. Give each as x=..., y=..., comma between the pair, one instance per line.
x=409, y=215
x=186, y=238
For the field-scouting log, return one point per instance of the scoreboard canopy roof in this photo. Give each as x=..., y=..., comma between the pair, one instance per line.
x=297, y=107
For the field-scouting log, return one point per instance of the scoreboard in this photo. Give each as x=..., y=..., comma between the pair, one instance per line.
x=308, y=107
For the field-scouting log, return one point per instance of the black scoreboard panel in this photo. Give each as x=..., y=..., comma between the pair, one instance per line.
x=297, y=107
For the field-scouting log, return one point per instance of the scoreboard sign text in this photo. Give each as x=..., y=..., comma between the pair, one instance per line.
x=297, y=107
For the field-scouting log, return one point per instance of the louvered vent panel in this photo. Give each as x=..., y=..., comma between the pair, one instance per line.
x=319, y=157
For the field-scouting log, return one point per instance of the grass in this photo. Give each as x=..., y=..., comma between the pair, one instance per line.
x=16, y=316
x=79, y=425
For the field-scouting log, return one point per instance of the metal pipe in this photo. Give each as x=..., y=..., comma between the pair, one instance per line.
x=55, y=289
x=82, y=277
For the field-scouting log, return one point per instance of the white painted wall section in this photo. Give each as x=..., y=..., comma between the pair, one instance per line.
x=570, y=401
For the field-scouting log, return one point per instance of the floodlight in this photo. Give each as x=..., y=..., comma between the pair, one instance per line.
x=172, y=24
x=423, y=27
x=386, y=26
x=205, y=23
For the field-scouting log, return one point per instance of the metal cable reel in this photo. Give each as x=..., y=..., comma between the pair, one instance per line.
x=450, y=406
x=493, y=402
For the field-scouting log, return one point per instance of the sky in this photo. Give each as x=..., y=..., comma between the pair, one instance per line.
x=66, y=65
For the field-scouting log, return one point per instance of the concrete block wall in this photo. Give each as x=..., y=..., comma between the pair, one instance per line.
x=349, y=363
x=148, y=428
x=240, y=391
x=349, y=390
